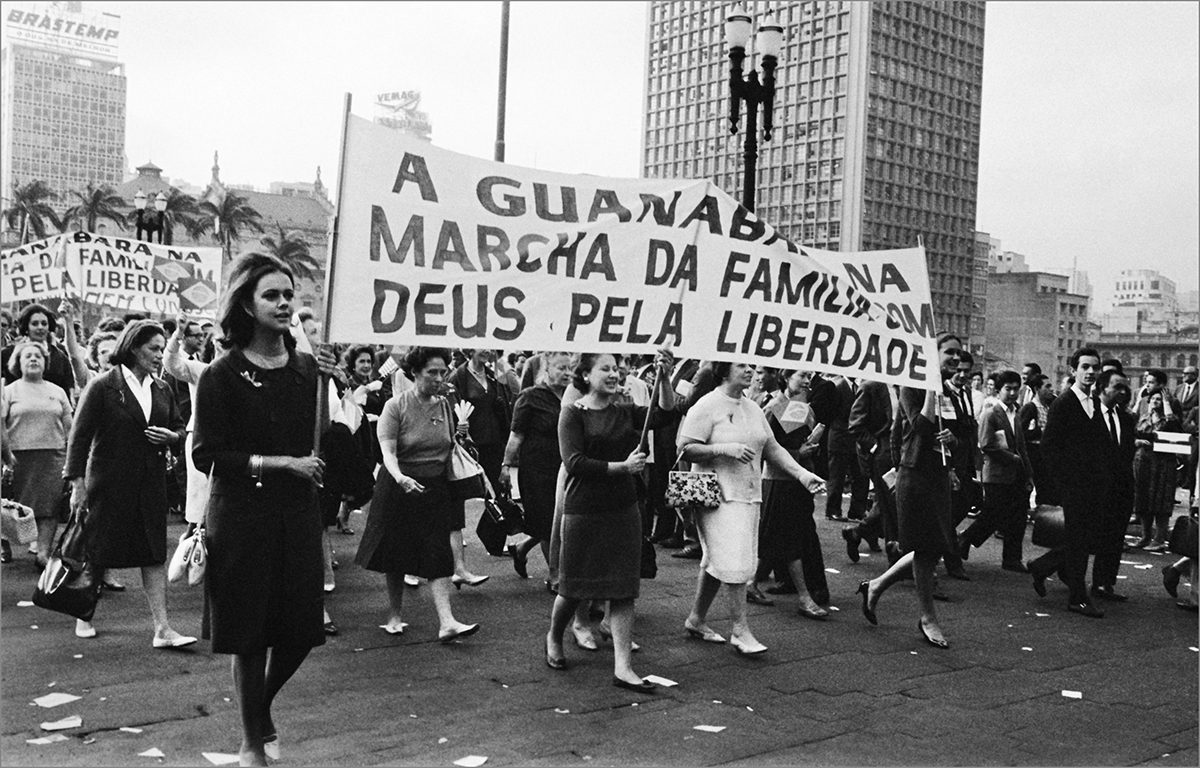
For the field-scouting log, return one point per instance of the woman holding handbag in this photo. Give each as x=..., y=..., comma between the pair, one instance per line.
x=1154, y=475
x=412, y=513
x=117, y=463
x=255, y=420
x=727, y=434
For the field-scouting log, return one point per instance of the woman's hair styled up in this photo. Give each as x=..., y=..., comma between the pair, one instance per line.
x=237, y=325
x=543, y=375
x=419, y=357
x=98, y=338
x=14, y=360
x=136, y=334
x=721, y=369
x=587, y=361
x=36, y=309
x=355, y=352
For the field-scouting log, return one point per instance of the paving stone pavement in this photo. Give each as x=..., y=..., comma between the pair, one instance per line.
x=839, y=692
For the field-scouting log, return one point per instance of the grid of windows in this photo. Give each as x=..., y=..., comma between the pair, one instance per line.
x=919, y=150
x=66, y=119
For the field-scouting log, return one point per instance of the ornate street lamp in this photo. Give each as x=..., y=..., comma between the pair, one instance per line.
x=769, y=40
x=146, y=223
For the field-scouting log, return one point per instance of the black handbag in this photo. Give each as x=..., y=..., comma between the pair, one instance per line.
x=506, y=514
x=68, y=583
x=649, y=560
x=1184, y=537
x=1049, y=528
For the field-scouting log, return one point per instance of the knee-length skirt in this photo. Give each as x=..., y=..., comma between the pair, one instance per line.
x=600, y=555
x=923, y=512
x=729, y=537
x=38, y=480
x=409, y=533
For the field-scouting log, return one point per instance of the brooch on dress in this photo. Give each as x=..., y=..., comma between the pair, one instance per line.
x=249, y=376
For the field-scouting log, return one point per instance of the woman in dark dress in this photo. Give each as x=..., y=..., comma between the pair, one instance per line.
x=255, y=414
x=922, y=497
x=601, y=536
x=412, y=512
x=117, y=464
x=532, y=455
x=1154, y=475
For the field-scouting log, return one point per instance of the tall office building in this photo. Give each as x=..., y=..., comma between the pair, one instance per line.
x=877, y=125
x=62, y=118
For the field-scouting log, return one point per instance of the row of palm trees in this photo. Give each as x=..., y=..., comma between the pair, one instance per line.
x=226, y=221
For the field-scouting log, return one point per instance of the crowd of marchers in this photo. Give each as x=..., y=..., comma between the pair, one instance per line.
x=249, y=427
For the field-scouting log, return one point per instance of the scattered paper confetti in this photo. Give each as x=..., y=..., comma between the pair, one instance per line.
x=634, y=704
x=471, y=761
x=664, y=682
x=562, y=711
x=1041, y=615
x=55, y=699
x=1193, y=648
x=709, y=728
x=226, y=699
x=1145, y=567
x=865, y=554
x=77, y=656
x=220, y=758
x=443, y=740
x=51, y=685
x=750, y=709
x=834, y=608
x=74, y=721
x=502, y=685
x=1122, y=576
x=89, y=741
x=832, y=570
x=24, y=603
x=716, y=701
x=1129, y=562
x=47, y=739
x=1072, y=694
x=1026, y=648
x=130, y=729
x=105, y=698
x=152, y=752
x=33, y=626
x=914, y=653
x=1010, y=626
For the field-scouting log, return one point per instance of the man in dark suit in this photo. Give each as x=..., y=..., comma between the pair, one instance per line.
x=1074, y=446
x=871, y=426
x=1186, y=394
x=1114, y=394
x=1031, y=420
x=843, y=458
x=1006, y=476
x=965, y=493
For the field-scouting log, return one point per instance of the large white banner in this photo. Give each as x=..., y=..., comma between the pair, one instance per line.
x=438, y=248
x=118, y=272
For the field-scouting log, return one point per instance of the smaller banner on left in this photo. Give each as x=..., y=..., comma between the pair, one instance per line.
x=117, y=272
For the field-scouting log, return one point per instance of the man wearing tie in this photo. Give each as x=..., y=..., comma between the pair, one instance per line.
x=965, y=458
x=1075, y=447
x=1114, y=394
x=1186, y=394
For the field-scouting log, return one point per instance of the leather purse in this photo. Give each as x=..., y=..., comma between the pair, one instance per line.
x=68, y=583
x=506, y=514
x=17, y=523
x=463, y=473
x=190, y=558
x=1049, y=528
x=692, y=489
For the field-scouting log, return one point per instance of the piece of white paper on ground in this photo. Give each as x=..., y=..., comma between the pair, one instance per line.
x=1026, y=648
x=152, y=752
x=220, y=758
x=47, y=739
x=1041, y=615
x=24, y=603
x=74, y=721
x=664, y=682
x=832, y=570
x=1072, y=694
x=55, y=699
x=130, y=729
x=709, y=728
x=561, y=711
x=1193, y=648
x=471, y=761
x=1122, y=576
x=443, y=740
x=1143, y=567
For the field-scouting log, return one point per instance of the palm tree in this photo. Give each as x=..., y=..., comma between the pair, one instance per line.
x=29, y=212
x=231, y=216
x=93, y=204
x=292, y=249
x=184, y=210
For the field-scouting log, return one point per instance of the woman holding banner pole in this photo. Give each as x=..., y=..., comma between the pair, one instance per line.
x=922, y=498
x=255, y=418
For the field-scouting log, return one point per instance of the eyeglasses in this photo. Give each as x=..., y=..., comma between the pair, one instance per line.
x=194, y=335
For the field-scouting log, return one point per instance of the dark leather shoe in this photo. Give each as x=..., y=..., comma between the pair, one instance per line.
x=755, y=595
x=873, y=545
x=1171, y=580
x=690, y=552
x=1015, y=567
x=783, y=589
x=867, y=610
x=1039, y=582
x=112, y=585
x=1086, y=609
x=671, y=541
x=850, y=534
x=964, y=549
x=1108, y=593
x=643, y=687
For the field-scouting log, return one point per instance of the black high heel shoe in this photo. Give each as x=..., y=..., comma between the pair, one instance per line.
x=520, y=561
x=867, y=611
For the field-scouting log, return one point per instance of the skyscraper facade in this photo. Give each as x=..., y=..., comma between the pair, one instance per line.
x=876, y=140
x=62, y=115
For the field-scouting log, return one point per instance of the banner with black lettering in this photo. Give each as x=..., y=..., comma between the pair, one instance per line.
x=35, y=272
x=144, y=277
x=438, y=248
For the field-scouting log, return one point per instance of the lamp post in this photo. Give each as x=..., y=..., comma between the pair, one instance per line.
x=738, y=29
x=148, y=222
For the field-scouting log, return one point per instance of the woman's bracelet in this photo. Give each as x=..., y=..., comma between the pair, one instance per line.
x=256, y=469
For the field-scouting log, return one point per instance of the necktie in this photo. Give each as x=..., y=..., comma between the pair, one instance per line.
x=1112, y=426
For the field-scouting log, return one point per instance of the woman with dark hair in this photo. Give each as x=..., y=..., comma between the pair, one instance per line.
x=726, y=433
x=37, y=420
x=922, y=497
x=370, y=395
x=412, y=512
x=255, y=416
x=37, y=323
x=1154, y=474
x=601, y=528
x=126, y=423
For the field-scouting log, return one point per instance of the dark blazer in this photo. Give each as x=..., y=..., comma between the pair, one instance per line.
x=919, y=448
x=126, y=479
x=1121, y=456
x=965, y=456
x=1075, y=450
x=871, y=424
x=1004, y=462
x=1189, y=403
x=840, y=439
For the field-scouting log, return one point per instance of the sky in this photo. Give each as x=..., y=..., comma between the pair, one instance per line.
x=1090, y=149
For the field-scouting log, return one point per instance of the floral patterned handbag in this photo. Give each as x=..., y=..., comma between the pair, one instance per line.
x=692, y=489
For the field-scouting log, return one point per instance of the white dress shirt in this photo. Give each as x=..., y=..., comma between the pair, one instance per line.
x=1084, y=399
x=141, y=390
